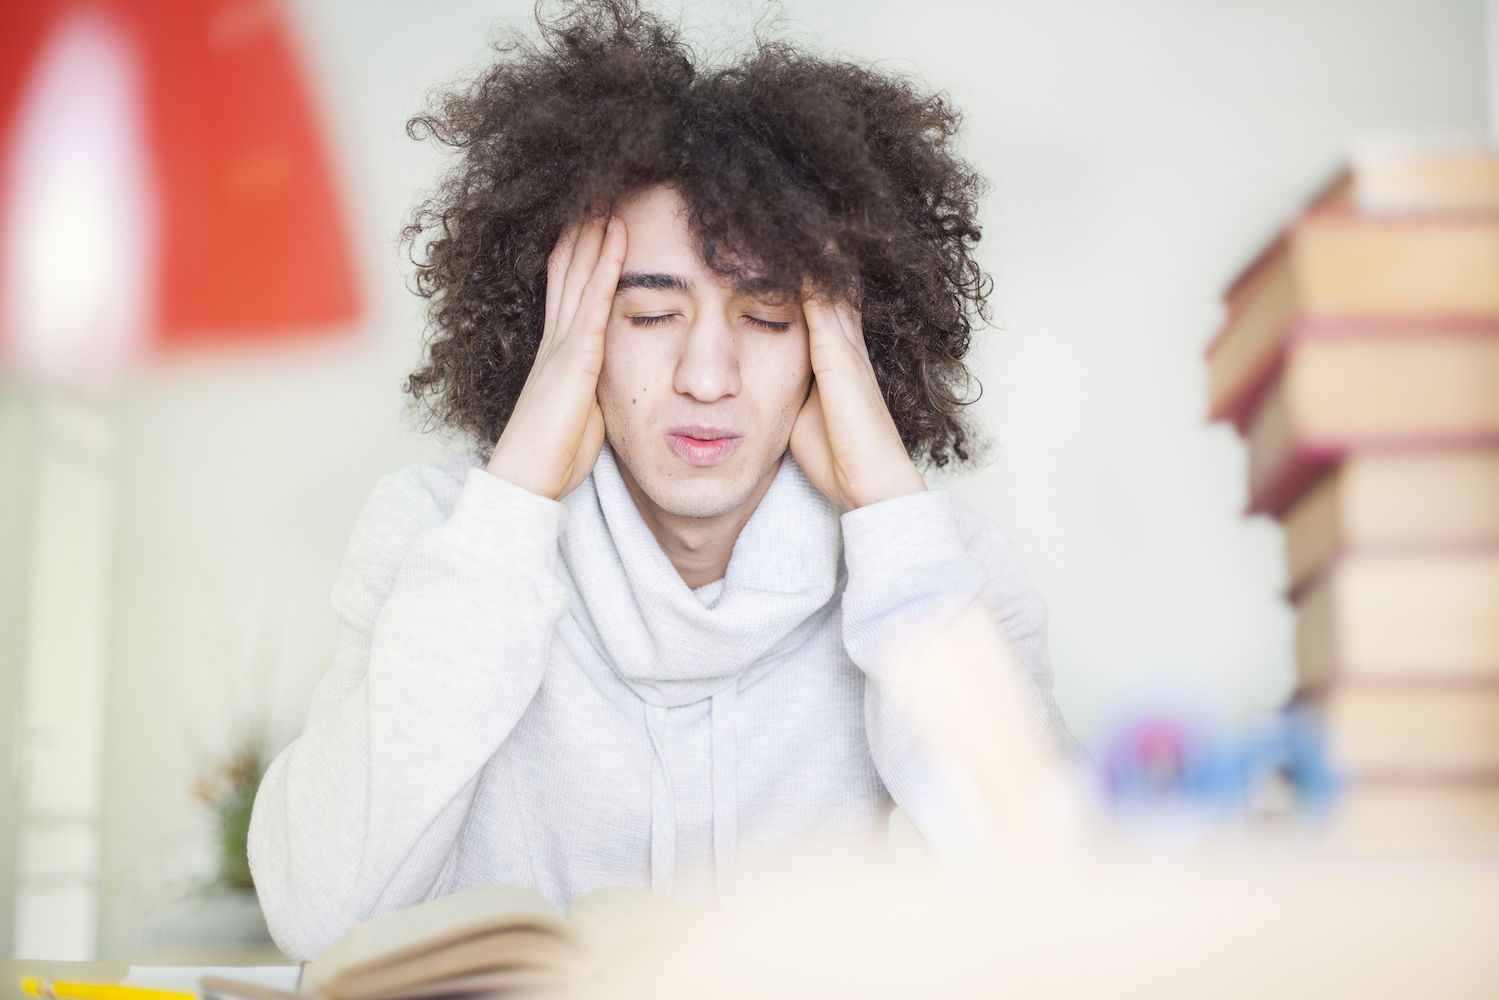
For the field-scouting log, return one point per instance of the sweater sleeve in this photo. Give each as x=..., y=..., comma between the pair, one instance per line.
x=908, y=559
x=445, y=627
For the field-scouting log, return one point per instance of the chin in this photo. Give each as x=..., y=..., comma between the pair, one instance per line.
x=691, y=493
x=702, y=499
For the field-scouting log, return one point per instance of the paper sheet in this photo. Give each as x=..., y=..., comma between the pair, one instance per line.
x=184, y=978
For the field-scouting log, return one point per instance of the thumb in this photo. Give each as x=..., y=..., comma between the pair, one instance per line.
x=809, y=441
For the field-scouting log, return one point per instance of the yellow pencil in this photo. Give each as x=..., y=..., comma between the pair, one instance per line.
x=36, y=987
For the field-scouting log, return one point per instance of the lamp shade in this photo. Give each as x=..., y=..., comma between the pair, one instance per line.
x=213, y=195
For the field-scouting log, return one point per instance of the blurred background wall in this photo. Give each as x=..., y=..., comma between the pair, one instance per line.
x=169, y=544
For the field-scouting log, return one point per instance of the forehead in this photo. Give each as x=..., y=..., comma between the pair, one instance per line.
x=660, y=244
x=657, y=233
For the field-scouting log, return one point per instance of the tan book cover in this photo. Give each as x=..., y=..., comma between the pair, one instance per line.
x=1428, y=819
x=1404, y=177
x=1414, y=615
x=1338, y=272
x=1405, y=239
x=1340, y=394
x=1405, y=731
x=1394, y=501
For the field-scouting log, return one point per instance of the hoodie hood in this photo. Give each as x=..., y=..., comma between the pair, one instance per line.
x=672, y=645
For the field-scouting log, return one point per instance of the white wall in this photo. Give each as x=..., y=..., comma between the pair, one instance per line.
x=1139, y=150
x=1491, y=49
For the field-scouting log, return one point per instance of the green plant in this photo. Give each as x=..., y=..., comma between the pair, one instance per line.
x=228, y=789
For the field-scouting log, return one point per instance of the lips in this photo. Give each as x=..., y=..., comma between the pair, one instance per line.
x=702, y=446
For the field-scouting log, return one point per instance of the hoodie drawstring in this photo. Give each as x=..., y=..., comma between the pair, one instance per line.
x=724, y=726
x=725, y=799
x=663, y=805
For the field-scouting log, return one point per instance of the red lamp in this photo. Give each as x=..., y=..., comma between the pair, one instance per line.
x=162, y=184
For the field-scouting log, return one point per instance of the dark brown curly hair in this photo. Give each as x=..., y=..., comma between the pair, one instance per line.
x=791, y=166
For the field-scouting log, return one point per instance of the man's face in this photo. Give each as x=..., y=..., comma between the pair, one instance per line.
x=702, y=380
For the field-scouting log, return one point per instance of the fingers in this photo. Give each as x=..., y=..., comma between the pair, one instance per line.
x=557, y=265
x=555, y=431
x=585, y=258
x=597, y=297
x=835, y=334
x=850, y=326
x=812, y=409
x=825, y=314
x=845, y=438
x=809, y=443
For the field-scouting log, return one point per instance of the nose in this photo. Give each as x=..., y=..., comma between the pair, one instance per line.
x=708, y=362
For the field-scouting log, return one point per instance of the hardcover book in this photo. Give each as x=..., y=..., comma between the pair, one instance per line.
x=1419, y=615
x=492, y=940
x=1341, y=394
x=1393, y=502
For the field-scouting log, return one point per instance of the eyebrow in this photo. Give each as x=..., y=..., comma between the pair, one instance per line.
x=655, y=281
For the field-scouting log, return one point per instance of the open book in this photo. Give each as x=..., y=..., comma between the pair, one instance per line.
x=495, y=939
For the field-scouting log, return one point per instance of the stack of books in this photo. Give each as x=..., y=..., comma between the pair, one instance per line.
x=1360, y=361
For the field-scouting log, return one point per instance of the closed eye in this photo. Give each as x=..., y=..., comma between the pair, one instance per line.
x=766, y=324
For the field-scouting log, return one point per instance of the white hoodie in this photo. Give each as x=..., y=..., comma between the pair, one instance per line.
x=525, y=691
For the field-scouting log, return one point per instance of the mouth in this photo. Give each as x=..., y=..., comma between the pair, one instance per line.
x=702, y=446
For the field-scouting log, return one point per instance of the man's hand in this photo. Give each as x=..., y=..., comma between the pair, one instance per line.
x=554, y=435
x=844, y=438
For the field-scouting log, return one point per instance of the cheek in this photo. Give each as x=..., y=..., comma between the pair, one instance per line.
x=798, y=361
x=784, y=376
x=629, y=379
x=614, y=380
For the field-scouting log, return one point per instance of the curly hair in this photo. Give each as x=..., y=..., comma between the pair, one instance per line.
x=791, y=167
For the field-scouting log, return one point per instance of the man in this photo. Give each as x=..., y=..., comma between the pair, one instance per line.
x=700, y=324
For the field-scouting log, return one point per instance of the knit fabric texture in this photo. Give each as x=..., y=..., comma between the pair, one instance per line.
x=525, y=691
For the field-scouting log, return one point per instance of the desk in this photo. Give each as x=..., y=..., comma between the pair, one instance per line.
x=1227, y=926
x=180, y=977
x=1231, y=926
x=11, y=971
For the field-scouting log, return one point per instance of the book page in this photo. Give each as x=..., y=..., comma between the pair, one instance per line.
x=513, y=980
x=393, y=937
x=184, y=978
x=613, y=918
x=505, y=949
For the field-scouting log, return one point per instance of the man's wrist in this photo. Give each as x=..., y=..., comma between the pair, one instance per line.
x=516, y=472
x=904, y=483
x=906, y=538
x=504, y=523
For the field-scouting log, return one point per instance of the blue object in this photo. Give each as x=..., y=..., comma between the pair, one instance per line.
x=1161, y=758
